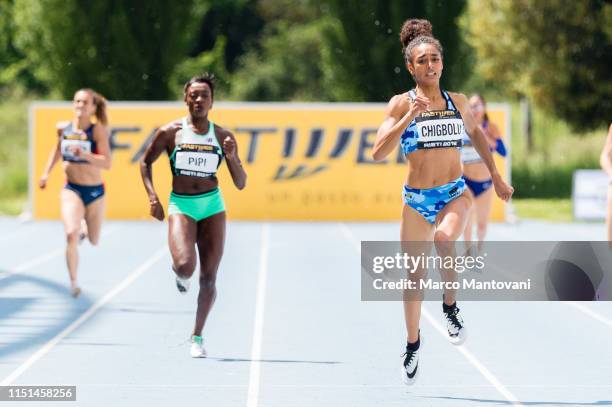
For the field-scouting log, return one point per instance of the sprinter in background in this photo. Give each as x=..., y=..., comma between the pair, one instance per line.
x=83, y=146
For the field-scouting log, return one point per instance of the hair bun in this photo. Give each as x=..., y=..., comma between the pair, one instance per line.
x=414, y=28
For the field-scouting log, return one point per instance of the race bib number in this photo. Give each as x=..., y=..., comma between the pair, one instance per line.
x=439, y=129
x=469, y=155
x=68, y=146
x=196, y=163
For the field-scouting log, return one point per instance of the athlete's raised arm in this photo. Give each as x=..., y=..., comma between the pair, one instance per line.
x=399, y=113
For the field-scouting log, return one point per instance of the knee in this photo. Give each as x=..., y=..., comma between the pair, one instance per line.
x=184, y=267
x=94, y=240
x=208, y=281
x=441, y=237
x=72, y=237
x=482, y=228
x=443, y=242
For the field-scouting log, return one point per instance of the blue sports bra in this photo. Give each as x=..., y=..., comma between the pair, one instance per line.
x=434, y=129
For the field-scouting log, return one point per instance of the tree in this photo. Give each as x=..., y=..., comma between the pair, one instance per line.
x=287, y=63
x=212, y=61
x=557, y=52
x=239, y=22
x=287, y=67
x=341, y=50
x=13, y=63
x=367, y=61
x=126, y=49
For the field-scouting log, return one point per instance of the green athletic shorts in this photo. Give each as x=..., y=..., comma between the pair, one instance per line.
x=197, y=207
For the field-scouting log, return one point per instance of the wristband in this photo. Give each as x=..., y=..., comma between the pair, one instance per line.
x=500, y=147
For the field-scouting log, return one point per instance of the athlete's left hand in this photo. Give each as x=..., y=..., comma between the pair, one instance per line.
x=503, y=190
x=229, y=147
x=156, y=209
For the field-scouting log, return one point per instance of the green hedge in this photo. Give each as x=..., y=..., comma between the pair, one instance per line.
x=13, y=146
x=552, y=183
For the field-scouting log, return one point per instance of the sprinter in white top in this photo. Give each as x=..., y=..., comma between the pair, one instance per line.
x=196, y=211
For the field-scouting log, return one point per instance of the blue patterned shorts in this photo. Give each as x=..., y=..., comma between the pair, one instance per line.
x=428, y=202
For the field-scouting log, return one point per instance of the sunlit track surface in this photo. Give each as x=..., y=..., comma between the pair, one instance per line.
x=319, y=345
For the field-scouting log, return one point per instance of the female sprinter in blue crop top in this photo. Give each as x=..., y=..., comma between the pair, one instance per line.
x=84, y=148
x=475, y=172
x=428, y=123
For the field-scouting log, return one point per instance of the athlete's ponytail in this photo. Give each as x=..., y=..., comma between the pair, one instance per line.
x=99, y=102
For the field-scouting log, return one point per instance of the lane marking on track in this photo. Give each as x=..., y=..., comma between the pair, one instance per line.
x=50, y=255
x=138, y=272
x=260, y=302
x=588, y=311
x=471, y=358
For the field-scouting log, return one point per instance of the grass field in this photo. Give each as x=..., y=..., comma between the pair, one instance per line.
x=13, y=152
x=554, y=210
x=12, y=205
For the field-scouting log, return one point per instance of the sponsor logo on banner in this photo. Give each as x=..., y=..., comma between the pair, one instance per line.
x=304, y=161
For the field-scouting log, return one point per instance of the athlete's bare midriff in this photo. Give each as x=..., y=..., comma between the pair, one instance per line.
x=82, y=173
x=476, y=171
x=431, y=168
x=182, y=184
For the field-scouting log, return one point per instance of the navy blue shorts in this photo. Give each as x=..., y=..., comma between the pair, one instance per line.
x=87, y=193
x=478, y=187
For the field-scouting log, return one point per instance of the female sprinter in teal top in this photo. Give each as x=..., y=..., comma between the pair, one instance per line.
x=196, y=212
x=428, y=123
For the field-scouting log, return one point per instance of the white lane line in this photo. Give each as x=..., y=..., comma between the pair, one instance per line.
x=163, y=251
x=350, y=236
x=260, y=302
x=586, y=310
x=36, y=261
x=23, y=230
x=491, y=378
x=486, y=373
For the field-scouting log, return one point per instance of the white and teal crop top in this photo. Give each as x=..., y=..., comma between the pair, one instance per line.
x=469, y=155
x=434, y=129
x=196, y=155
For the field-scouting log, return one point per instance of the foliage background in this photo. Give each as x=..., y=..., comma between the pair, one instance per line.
x=552, y=54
